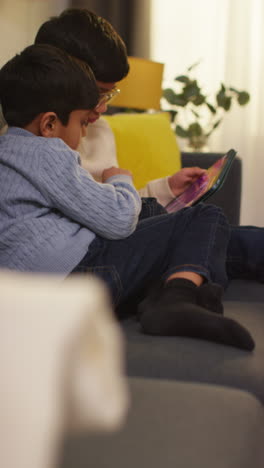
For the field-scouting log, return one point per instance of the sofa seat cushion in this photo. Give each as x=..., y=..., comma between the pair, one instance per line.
x=245, y=290
x=190, y=359
x=177, y=424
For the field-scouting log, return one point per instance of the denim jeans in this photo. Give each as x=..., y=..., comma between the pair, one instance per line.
x=150, y=207
x=245, y=253
x=194, y=239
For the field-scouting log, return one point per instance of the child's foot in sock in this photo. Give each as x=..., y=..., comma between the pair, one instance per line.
x=209, y=296
x=172, y=311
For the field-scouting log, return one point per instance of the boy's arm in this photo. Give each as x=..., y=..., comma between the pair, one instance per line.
x=98, y=151
x=159, y=189
x=166, y=189
x=109, y=209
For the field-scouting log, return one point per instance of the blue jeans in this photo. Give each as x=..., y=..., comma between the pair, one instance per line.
x=194, y=239
x=245, y=253
x=150, y=207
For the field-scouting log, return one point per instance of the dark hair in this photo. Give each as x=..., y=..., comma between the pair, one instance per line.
x=43, y=78
x=89, y=37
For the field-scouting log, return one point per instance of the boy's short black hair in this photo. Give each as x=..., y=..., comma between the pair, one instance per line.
x=89, y=37
x=43, y=78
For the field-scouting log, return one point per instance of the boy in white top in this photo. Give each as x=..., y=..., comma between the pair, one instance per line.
x=98, y=151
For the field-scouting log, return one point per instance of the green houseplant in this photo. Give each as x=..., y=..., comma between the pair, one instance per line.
x=195, y=116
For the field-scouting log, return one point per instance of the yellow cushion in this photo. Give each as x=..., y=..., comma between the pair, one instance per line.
x=146, y=145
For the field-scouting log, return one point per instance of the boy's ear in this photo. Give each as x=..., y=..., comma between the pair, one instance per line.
x=48, y=123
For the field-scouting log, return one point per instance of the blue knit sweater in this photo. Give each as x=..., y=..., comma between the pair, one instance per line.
x=51, y=208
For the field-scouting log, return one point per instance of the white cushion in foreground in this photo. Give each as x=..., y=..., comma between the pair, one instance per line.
x=61, y=365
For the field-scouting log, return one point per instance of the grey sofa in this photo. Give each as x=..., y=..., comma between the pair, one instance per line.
x=200, y=361
x=195, y=404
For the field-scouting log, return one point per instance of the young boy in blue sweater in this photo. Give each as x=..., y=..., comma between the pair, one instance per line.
x=89, y=37
x=56, y=218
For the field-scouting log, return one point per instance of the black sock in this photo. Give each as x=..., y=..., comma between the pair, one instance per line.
x=209, y=296
x=173, y=311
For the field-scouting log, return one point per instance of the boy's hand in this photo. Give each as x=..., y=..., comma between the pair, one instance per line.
x=111, y=171
x=182, y=179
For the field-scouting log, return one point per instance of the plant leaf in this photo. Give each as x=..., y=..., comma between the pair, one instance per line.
x=223, y=100
x=211, y=108
x=216, y=124
x=243, y=98
x=180, y=100
x=169, y=95
x=193, y=66
x=234, y=90
x=182, y=79
x=181, y=132
x=195, y=129
x=195, y=113
x=198, y=100
x=191, y=89
x=173, y=98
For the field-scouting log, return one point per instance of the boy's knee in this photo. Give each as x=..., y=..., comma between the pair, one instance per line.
x=212, y=210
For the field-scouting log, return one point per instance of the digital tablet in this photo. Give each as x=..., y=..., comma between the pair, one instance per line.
x=205, y=185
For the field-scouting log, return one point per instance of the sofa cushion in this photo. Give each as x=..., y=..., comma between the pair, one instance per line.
x=177, y=424
x=146, y=145
x=246, y=291
x=189, y=359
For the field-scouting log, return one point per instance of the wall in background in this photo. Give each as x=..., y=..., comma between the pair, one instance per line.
x=20, y=20
x=130, y=18
x=227, y=36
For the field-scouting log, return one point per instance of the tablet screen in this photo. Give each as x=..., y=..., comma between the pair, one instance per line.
x=205, y=185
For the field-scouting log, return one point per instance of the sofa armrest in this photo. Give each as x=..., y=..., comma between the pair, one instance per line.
x=229, y=196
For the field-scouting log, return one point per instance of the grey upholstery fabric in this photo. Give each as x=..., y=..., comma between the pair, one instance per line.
x=245, y=291
x=173, y=424
x=229, y=196
x=193, y=360
x=195, y=404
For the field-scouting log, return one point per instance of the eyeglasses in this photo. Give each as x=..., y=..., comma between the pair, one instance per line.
x=107, y=96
